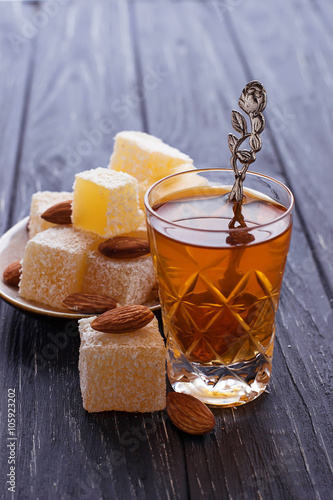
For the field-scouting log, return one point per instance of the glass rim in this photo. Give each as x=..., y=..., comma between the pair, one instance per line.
x=231, y=230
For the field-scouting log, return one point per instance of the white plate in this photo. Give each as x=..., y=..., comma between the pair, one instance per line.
x=12, y=245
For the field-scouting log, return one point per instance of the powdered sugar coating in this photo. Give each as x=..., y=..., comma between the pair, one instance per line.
x=102, y=177
x=122, y=372
x=128, y=281
x=145, y=157
x=53, y=264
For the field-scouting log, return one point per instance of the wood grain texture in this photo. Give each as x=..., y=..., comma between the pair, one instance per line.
x=174, y=69
x=15, y=69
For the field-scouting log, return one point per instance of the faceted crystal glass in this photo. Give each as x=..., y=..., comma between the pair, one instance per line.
x=220, y=274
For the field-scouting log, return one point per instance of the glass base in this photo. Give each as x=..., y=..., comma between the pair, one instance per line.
x=228, y=386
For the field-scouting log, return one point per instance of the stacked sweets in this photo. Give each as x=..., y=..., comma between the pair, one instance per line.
x=107, y=203
x=100, y=250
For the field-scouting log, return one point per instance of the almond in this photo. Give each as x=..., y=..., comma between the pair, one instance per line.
x=123, y=319
x=189, y=414
x=124, y=247
x=89, y=303
x=12, y=273
x=60, y=213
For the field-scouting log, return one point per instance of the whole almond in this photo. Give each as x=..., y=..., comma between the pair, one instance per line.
x=123, y=319
x=12, y=273
x=189, y=414
x=124, y=247
x=60, y=213
x=89, y=303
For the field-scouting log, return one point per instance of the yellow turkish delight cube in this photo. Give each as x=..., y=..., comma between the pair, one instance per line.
x=128, y=281
x=145, y=157
x=54, y=263
x=41, y=201
x=122, y=372
x=106, y=202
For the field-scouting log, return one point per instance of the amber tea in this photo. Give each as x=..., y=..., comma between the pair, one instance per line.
x=219, y=285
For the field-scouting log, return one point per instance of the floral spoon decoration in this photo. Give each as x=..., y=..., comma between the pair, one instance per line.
x=252, y=101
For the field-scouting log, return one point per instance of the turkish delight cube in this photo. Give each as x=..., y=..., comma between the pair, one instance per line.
x=106, y=202
x=124, y=372
x=53, y=264
x=145, y=157
x=128, y=281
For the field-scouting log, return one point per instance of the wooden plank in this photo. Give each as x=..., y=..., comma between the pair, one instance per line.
x=15, y=70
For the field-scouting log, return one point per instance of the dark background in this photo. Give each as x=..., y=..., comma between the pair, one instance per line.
x=74, y=73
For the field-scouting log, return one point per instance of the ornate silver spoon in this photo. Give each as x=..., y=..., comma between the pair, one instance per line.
x=252, y=101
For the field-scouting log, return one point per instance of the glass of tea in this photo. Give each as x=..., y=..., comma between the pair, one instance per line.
x=220, y=272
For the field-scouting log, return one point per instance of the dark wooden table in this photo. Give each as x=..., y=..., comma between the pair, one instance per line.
x=73, y=73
